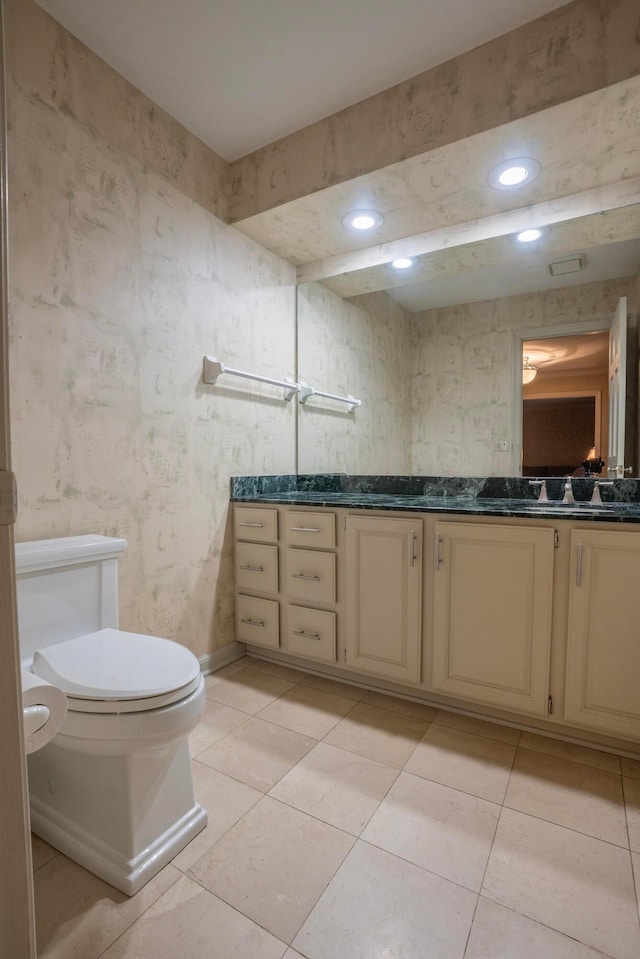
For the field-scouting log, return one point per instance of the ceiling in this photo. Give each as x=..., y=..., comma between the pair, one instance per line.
x=241, y=73
x=581, y=354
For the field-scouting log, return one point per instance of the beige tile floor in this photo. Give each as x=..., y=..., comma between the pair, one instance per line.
x=352, y=825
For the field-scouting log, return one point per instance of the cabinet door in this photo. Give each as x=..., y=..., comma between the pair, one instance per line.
x=492, y=614
x=603, y=653
x=383, y=596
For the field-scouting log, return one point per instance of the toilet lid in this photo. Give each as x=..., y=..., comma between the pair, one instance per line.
x=118, y=667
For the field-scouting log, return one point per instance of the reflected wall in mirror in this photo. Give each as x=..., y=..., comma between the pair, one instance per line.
x=437, y=385
x=360, y=347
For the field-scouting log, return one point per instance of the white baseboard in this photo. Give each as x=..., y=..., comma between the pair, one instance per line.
x=214, y=661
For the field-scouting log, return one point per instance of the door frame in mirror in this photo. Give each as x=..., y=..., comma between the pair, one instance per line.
x=519, y=337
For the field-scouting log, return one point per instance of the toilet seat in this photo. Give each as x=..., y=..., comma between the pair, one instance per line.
x=112, y=671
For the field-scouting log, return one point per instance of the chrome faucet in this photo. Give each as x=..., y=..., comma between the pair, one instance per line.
x=596, y=499
x=542, y=496
x=568, y=492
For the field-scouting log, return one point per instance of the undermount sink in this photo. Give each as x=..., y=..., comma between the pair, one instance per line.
x=582, y=507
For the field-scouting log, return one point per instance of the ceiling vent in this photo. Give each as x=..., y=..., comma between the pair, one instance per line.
x=568, y=264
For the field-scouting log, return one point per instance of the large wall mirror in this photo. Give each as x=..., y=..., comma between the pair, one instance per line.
x=436, y=351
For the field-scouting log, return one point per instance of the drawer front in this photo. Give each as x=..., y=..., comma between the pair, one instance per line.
x=311, y=575
x=257, y=621
x=311, y=633
x=256, y=568
x=258, y=525
x=310, y=530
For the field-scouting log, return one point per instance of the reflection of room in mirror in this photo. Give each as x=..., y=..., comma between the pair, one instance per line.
x=558, y=434
x=565, y=406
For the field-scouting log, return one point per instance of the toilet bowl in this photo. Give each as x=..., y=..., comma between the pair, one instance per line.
x=113, y=789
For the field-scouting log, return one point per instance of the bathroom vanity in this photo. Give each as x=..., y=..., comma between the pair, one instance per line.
x=493, y=604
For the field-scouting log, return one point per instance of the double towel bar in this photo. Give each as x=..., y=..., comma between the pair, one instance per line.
x=213, y=368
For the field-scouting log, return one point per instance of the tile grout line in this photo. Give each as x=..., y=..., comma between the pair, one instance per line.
x=635, y=880
x=573, y=762
x=493, y=840
x=545, y=925
x=195, y=879
x=144, y=912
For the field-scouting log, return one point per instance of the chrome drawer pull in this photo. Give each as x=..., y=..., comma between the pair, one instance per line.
x=254, y=569
x=412, y=548
x=252, y=525
x=437, y=562
x=313, y=579
x=304, y=529
x=579, y=566
x=301, y=632
x=253, y=622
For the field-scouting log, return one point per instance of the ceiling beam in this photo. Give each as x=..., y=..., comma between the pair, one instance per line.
x=611, y=197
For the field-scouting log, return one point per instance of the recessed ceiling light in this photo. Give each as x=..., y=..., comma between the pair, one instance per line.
x=360, y=220
x=514, y=173
x=528, y=236
x=403, y=263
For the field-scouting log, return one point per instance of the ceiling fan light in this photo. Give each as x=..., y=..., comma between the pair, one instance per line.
x=529, y=371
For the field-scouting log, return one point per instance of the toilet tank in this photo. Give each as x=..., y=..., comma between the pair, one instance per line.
x=66, y=587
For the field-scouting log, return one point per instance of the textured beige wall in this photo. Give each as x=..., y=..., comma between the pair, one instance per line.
x=571, y=51
x=463, y=359
x=361, y=347
x=122, y=277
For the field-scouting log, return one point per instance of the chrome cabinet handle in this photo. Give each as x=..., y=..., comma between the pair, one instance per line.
x=301, y=632
x=412, y=548
x=304, y=529
x=579, y=566
x=253, y=622
x=313, y=579
x=252, y=525
x=254, y=569
x=437, y=562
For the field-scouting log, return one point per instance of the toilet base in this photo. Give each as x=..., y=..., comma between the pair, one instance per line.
x=122, y=817
x=127, y=875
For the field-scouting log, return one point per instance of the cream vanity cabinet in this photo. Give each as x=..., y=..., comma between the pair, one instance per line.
x=493, y=590
x=501, y=618
x=603, y=645
x=310, y=584
x=257, y=576
x=383, y=559
x=286, y=580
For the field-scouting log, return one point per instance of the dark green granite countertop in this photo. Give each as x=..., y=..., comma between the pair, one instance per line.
x=453, y=496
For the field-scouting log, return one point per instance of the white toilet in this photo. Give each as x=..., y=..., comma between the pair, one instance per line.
x=113, y=789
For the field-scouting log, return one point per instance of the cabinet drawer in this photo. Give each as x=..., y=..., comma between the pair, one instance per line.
x=310, y=529
x=311, y=633
x=257, y=568
x=257, y=621
x=311, y=575
x=258, y=525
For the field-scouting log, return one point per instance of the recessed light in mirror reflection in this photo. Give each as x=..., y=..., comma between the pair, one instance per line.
x=529, y=236
x=362, y=220
x=403, y=263
x=514, y=173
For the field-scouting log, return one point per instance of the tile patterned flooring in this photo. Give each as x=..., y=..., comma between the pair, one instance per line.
x=346, y=824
